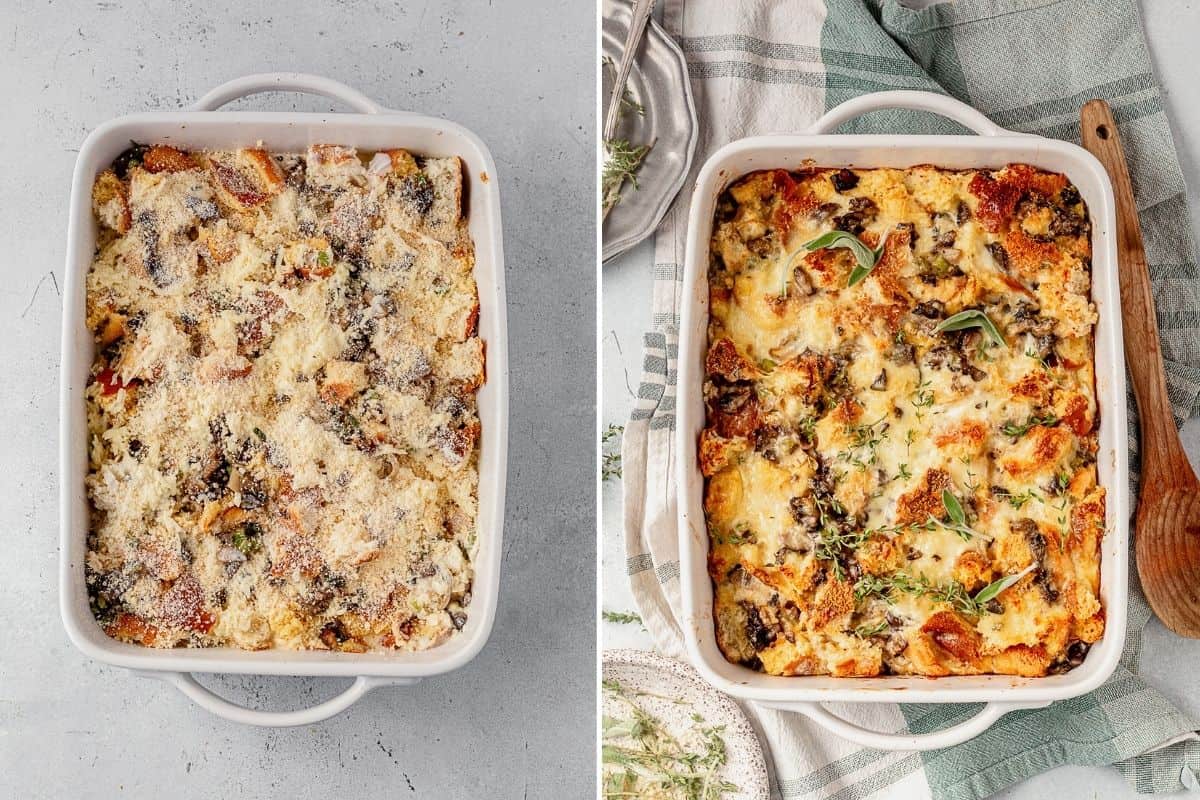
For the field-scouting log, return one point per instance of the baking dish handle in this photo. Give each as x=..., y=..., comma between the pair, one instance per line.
x=956, y=734
x=939, y=104
x=214, y=704
x=286, y=82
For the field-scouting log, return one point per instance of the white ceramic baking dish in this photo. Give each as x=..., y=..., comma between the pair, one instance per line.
x=993, y=147
x=372, y=128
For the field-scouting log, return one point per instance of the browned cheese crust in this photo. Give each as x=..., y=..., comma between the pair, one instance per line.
x=872, y=476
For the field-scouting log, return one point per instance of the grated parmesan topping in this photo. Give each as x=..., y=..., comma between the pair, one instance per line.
x=282, y=409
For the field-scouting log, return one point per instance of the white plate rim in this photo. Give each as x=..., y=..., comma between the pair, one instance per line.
x=755, y=786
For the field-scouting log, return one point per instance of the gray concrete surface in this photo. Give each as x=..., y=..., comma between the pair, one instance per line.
x=517, y=722
x=1168, y=662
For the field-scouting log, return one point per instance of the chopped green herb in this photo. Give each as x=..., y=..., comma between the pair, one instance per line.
x=864, y=441
x=248, y=538
x=1064, y=530
x=808, y=428
x=323, y=258
x=1017, y=431
x=262, y=437
x=1019, y=500
x=922, y=397
x=740, y=535
x=867, y=631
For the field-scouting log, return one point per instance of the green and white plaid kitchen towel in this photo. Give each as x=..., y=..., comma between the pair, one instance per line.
x=762, y=67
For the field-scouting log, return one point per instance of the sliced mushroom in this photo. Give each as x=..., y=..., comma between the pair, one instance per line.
x=844, y=180
x=804, y=286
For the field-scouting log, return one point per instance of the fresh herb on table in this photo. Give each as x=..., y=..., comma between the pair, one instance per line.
x=972, y=318
x=621, y=617
x=622, y=158
x=622, y=161
x=610, y=453
x=866, y=256
x=641, y=758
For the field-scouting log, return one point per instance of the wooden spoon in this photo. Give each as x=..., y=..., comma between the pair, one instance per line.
x=1167, y=537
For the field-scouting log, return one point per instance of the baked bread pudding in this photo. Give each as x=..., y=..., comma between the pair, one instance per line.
x=901, y=431
x=283, y=428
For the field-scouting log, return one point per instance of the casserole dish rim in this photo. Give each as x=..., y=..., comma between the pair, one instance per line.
x=369, y=128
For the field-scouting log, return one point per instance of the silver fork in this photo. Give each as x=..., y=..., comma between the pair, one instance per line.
x=637, y=27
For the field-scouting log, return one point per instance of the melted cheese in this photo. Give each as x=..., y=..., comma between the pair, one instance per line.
x=839, y=416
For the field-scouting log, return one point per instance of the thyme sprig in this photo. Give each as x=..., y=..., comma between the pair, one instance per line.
x=866, y=631
x=864, y=440
x=621, y=617
x=1019, y=500
x=639, y=756
x=622, y=158
x=621, y=163
x=1016, y=430
x=952, y=593
x=610, y=459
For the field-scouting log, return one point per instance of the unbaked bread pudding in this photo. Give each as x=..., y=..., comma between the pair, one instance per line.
x=282, y=416
x=901, y=427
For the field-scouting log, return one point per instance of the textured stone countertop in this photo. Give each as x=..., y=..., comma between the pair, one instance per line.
x=515, y=723
x=1167, y=662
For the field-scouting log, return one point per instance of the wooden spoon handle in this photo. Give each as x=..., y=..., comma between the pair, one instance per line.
x=1164, y=461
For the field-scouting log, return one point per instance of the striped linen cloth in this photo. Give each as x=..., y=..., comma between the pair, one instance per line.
x=762, y=67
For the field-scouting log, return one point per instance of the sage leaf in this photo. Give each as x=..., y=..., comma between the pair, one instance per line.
x=972, y=318
x=866, y=257
x=953, y=508
x=992, y=590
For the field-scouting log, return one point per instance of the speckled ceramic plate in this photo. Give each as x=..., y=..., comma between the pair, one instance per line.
x=672, y=691
x=659, y=82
